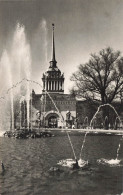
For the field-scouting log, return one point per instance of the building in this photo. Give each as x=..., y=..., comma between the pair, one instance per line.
x=53, y=108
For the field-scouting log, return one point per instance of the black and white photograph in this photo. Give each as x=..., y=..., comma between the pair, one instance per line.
x=61, y=97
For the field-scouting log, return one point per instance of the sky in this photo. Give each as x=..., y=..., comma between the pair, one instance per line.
x=82, y=27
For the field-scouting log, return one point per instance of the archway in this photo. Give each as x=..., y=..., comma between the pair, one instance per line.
x=52, y=119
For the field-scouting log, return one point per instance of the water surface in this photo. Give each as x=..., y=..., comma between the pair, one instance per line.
x=28, y=162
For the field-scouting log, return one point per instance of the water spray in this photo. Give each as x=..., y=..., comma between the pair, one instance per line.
x=99, y=110
x=83, y=144
x=28, y=80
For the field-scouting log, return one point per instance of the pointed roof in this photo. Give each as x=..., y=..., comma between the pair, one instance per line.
x=53, y=45
x=53, y=62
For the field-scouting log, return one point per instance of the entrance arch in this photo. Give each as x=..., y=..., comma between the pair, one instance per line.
x=53, y=118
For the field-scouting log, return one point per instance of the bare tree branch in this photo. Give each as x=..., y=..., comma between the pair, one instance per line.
x=102, y=76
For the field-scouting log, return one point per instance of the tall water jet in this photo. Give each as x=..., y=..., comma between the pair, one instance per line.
x=20, y=54
x=17, y=64
x=22, y=58
x=8, y=83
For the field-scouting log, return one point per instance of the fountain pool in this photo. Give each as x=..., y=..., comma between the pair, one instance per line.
x=28, y=164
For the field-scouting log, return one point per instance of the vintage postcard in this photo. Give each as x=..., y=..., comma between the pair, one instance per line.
x=61, y=97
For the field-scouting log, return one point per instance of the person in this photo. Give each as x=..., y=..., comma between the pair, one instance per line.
x=76, y=165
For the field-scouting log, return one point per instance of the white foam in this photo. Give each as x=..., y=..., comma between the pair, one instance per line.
x=111, y=162
x=82, y=163
x=66, y=163
x=69, y=163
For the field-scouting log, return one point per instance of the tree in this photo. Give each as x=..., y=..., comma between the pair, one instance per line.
x=101, y=78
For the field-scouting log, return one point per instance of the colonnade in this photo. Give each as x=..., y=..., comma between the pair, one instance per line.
x=54, y=85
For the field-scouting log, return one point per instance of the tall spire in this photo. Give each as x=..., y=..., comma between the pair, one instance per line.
x=53, y=80
x=53, y=45
x=53, y=61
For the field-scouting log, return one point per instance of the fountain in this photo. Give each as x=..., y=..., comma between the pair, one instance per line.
x=112, y=162
x=63, y=123
x=27, y=116
x=23, y=64
x=70, y=162
x=106, y=119
x=15, y=63
x=6, y=66
x=61, y=117
x=67, y=162
x=82, y=162
x=25, y=103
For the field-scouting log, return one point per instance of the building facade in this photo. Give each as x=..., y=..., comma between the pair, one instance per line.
x=53, y=108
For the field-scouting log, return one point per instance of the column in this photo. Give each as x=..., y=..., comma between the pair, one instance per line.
x=55, y=85
x=58, y=85
x=47, y=85
x=62, y=85
x=51, y=85
x=44, y=84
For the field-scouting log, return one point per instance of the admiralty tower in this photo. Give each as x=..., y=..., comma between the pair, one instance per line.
x=53, y=79
x=55, y=108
